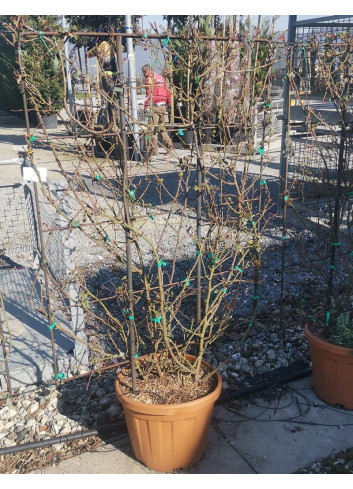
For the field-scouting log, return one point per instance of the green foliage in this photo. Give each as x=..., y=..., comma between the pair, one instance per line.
x=87, y=23
x=11, y=97
x=41, y=64
x=342, y=331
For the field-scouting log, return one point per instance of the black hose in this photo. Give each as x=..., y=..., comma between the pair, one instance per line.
x=121, y=426
x=264, y=385
x=98, y=431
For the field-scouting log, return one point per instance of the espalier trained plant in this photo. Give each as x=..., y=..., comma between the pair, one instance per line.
x=326, y=166
x=181, y=247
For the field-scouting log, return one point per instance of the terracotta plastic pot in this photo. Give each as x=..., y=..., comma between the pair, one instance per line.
x=169, y=436
x=332, y=371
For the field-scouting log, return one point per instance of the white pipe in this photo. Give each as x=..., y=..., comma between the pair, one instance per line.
x=132, y=78
x=14, y=161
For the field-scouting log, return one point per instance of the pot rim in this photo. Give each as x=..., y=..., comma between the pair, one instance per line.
x=149, y=408
x=326, y=345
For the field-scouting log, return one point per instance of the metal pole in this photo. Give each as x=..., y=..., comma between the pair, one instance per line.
x=128, y=235
x=5, y=354
x=65, y=25
x=39, y=220
x=282, y=202
x=283, y=170
x=132, y=84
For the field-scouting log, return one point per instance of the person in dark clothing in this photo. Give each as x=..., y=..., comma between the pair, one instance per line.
x=105, y=54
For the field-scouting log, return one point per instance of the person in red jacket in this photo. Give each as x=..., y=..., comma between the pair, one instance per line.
x=157, y=101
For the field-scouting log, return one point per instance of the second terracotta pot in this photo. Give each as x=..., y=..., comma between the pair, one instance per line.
x=332, y=371
x=169, y=436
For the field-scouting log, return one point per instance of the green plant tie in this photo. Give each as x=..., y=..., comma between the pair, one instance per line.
x=286, y=197
x=181, y=133
x=75, y=224
x=262, y=182
x=238, y=269
x=250, y=325
x=336, y=244
x=145, y=36
x=32, y=139
x=349, y=194
x=132, y=194
x=210, y=255
x=197, y=79
x=97, y=178
x=312, y=318
x=166, y=41
x=328, y=318
x=198, y=253
x=107, y=239
x=157, y=320
x=332, y=267
x=52, y=326
x=255, y=297
x=152, y=217
x=187, y=282
x=303, y=300
x=161, y=263
x=136, y=355
x=41, y=34
x=284, y=237
x=224, y=290
x=260, y=150
x=131, y=317
x=60, y=376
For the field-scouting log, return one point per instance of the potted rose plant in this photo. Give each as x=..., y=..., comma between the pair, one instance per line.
x=176, y=247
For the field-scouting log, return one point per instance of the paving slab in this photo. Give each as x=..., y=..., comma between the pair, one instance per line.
x=280, y=436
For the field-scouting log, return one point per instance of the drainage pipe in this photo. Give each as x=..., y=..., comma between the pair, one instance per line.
x=98, y=431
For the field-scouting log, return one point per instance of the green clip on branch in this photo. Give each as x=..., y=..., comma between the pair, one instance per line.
x=32, y=139
x=60, y=376
x=161, y=263
x=260, y=150
x=166, y=41
x=75, y=224
x=52, y=326
x=41, y=34
x=181, y=133
x=157, y=319
x=328, y=317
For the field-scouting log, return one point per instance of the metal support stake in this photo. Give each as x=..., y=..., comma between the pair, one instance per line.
x=5, y=354
x=128, y=234
x=198, y=226
x=39, y=220
x=283, y=170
